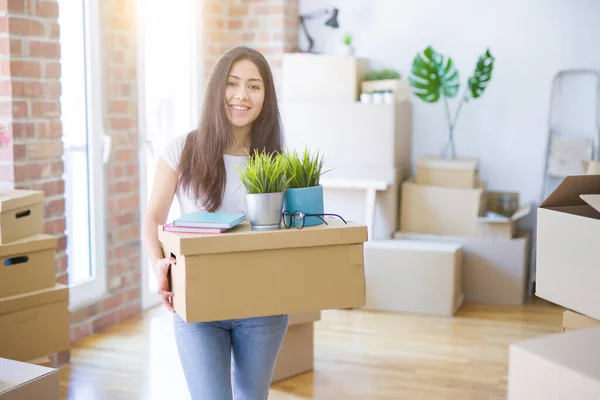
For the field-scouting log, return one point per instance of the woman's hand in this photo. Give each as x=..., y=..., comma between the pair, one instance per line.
x=161, y=270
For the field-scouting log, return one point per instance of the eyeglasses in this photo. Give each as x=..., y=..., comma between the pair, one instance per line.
x=298, y=218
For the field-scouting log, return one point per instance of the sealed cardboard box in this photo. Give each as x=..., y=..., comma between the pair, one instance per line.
x=413, y=276
x=34, y=324
x=441, y=210
x=28, y=264
x=568, y=228
x=494, y=270
x=556, y=367
x=23, y=381
x=297, y=353
x=574, y=321
x=460, y=173
x=332, y=77
x=21, y=214
x=266, y=273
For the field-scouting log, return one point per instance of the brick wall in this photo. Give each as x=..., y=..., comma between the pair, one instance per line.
x=118, y=57
x=270, y=26
x=30, y=109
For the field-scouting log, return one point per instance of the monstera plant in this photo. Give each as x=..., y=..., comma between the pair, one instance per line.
x=434, y=76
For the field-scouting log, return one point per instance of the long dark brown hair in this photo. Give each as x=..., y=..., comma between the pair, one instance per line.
x=201, y=167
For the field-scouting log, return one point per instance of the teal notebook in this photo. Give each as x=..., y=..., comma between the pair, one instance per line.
x=210, y=220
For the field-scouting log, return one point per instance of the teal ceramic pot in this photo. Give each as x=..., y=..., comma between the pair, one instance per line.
x=307, y=200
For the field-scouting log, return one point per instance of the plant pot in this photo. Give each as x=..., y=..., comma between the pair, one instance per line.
x=307, y=200
x=264, y=210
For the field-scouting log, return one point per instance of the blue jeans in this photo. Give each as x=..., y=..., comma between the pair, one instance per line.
x=225, y=358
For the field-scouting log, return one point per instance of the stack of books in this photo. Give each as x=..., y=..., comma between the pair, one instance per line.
x=205, y=222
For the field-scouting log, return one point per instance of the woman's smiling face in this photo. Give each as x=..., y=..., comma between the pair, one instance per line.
x=244, y=93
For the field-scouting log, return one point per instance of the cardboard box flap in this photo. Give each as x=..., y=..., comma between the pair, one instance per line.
x=19, y=198
x=461, y=164
x=568, y=191
x=495, y=218
x=17, y=373
x=40, y=241
x=242, y=238
x=592, y=199
x=23, y=301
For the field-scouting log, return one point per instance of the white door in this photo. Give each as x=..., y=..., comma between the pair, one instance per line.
x=168, y=82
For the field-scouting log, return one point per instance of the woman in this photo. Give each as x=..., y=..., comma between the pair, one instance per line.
x=240, y=114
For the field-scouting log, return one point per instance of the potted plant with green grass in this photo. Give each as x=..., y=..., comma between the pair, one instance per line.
x=265, y=180
x=304, y=192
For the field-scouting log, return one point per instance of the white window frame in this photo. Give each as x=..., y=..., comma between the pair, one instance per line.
x=94, y=288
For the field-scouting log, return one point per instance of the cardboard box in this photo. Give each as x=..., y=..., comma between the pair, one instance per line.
x=28, y=264
x=460, y=173
x=333, y=78
x=35, y=323
x=441, y=210
x=494, y=223
x=556, y=367
x=494, y=270
x=266, y=273
x=297, y=353
x=380, y=133
x=21, y=214
x=413, y=276
x=23, y=381
x=568, y=228
x=573, y=321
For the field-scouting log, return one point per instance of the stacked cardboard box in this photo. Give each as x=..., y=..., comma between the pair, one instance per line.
x=447, y=202
x=565, y=366
x=34, y=312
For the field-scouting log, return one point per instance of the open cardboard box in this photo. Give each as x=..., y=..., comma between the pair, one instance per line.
x=24, y=381
x=21, y=214
x=568, y=232
x=496, y=225
x=243, y=273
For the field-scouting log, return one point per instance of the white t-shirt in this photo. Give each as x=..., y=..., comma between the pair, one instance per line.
x=234, y=198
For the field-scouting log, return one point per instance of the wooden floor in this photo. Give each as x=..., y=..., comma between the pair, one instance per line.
x=358, y=355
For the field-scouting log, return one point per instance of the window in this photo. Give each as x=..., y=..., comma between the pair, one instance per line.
x=83, y=147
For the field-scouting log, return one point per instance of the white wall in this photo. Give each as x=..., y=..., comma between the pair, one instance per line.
x=531, y=40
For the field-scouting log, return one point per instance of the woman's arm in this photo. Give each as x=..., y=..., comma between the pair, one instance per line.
x=159, y=204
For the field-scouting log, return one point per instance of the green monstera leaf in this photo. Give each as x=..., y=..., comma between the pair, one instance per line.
x=433, y=74
x=483, y=74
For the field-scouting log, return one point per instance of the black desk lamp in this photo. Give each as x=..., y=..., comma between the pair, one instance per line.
x=332, y=22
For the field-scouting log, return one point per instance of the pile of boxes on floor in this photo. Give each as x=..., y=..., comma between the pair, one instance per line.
x=456, y=242
x=34, y=312
x=564, y=365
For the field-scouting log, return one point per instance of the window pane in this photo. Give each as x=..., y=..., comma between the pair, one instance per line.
x=74, y=120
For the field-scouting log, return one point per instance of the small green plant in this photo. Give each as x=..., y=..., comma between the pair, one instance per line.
x=304, y=170
x=382, y=74
x=347, y=39
x=434, y=76
x=264, y=173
